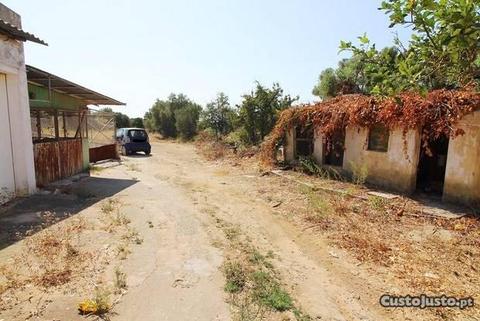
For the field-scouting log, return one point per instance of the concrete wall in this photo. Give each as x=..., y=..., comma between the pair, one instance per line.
x=289, y=146
x=19, y=144
x=462, y=176
x=10, y=16
x=395, y=169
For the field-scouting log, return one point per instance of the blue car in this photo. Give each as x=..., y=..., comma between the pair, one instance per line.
x=132, y=140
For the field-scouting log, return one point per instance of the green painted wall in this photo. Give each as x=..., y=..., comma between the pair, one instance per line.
x=57, y=101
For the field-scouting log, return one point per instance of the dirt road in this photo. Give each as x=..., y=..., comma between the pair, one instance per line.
x=181, y=218
x=176, y=274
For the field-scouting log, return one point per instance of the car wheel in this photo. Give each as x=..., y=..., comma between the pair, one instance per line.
x=147, y=152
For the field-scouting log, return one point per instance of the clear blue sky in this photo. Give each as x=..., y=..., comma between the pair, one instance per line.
x=137, y=51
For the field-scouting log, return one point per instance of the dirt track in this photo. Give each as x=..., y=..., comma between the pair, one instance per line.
x=175, y=200
x=177, y=275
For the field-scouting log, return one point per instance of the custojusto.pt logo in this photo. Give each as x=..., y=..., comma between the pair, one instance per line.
x=424, y=301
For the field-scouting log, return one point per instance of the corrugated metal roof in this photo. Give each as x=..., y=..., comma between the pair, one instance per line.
x=16, y=33
x=58, y=84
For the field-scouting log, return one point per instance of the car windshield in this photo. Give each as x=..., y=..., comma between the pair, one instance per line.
x=137, y=135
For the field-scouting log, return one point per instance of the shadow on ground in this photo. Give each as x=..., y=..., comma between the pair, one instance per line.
x=25, y=216
x=137, y=155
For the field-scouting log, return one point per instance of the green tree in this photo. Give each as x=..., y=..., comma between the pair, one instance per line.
x=162, y=116
x=327, y=86
x=137, y=122
x=355, y=75
x=121, y=120
x=186, y=120
x=219, y=115
x=148, y=121
x=443, y=52
x=259, y=110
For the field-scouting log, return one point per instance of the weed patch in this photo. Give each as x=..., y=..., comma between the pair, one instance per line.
x=109, y=206
x=235, y=277
x=123, y=251
x=99, y=305
x=268, y=292
x=250, y=279
x=377, y=203
x=359, y=172
x=120, y=281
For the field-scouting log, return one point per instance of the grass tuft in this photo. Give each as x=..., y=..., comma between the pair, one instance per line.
x=235, y=277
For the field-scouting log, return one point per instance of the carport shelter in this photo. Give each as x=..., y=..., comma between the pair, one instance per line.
x=58, y=112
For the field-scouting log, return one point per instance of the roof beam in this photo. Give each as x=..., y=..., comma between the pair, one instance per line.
x=58, y=84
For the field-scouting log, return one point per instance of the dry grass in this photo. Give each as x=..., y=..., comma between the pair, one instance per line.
x=419, y=254
x=209, y=147
x=133, y=167
x=213, y=150
x=50, y=258
x=120, y=281
x=64, y=257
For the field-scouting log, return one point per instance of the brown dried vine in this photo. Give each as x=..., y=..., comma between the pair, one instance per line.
x=436, y=114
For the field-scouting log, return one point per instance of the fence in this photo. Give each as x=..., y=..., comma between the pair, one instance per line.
x=57, y=143
x=101, y=136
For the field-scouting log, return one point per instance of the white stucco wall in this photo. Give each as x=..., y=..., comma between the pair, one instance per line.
x=462, y=174
x=395, y=169
x=19, y=144
x=289, y=146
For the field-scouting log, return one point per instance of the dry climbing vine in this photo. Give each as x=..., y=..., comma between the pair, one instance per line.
x=436, y=114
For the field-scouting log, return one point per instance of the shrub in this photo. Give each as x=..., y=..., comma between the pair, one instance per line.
x=238, y=138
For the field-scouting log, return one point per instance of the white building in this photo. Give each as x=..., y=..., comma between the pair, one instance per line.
x=17, y=172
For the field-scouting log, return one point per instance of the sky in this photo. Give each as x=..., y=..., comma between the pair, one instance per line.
x=138, y=51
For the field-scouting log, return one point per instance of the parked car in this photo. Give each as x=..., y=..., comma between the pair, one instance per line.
x=132, y=140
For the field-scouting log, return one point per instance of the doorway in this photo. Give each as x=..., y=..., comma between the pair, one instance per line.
x=334, y=152
x=304, y=141
x=432, y=166
x=7, y=178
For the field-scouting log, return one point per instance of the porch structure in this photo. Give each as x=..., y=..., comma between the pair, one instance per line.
x=59, y=120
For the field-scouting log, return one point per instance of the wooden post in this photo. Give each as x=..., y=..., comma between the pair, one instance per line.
x=80, y=120
x=39, y=125
x=55, y=121
x=64, y=125
x=86, y=123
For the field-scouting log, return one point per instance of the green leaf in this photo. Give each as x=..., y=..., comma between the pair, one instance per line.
x=364, y=39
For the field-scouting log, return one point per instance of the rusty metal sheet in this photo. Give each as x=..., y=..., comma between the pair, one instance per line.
x=57, y=160
x=103, y=152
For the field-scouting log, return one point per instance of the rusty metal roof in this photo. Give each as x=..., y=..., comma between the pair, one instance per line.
x=16, y=33
x=58, y=84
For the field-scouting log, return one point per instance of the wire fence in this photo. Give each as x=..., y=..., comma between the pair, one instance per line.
x=101, y=128
x=49, y=125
